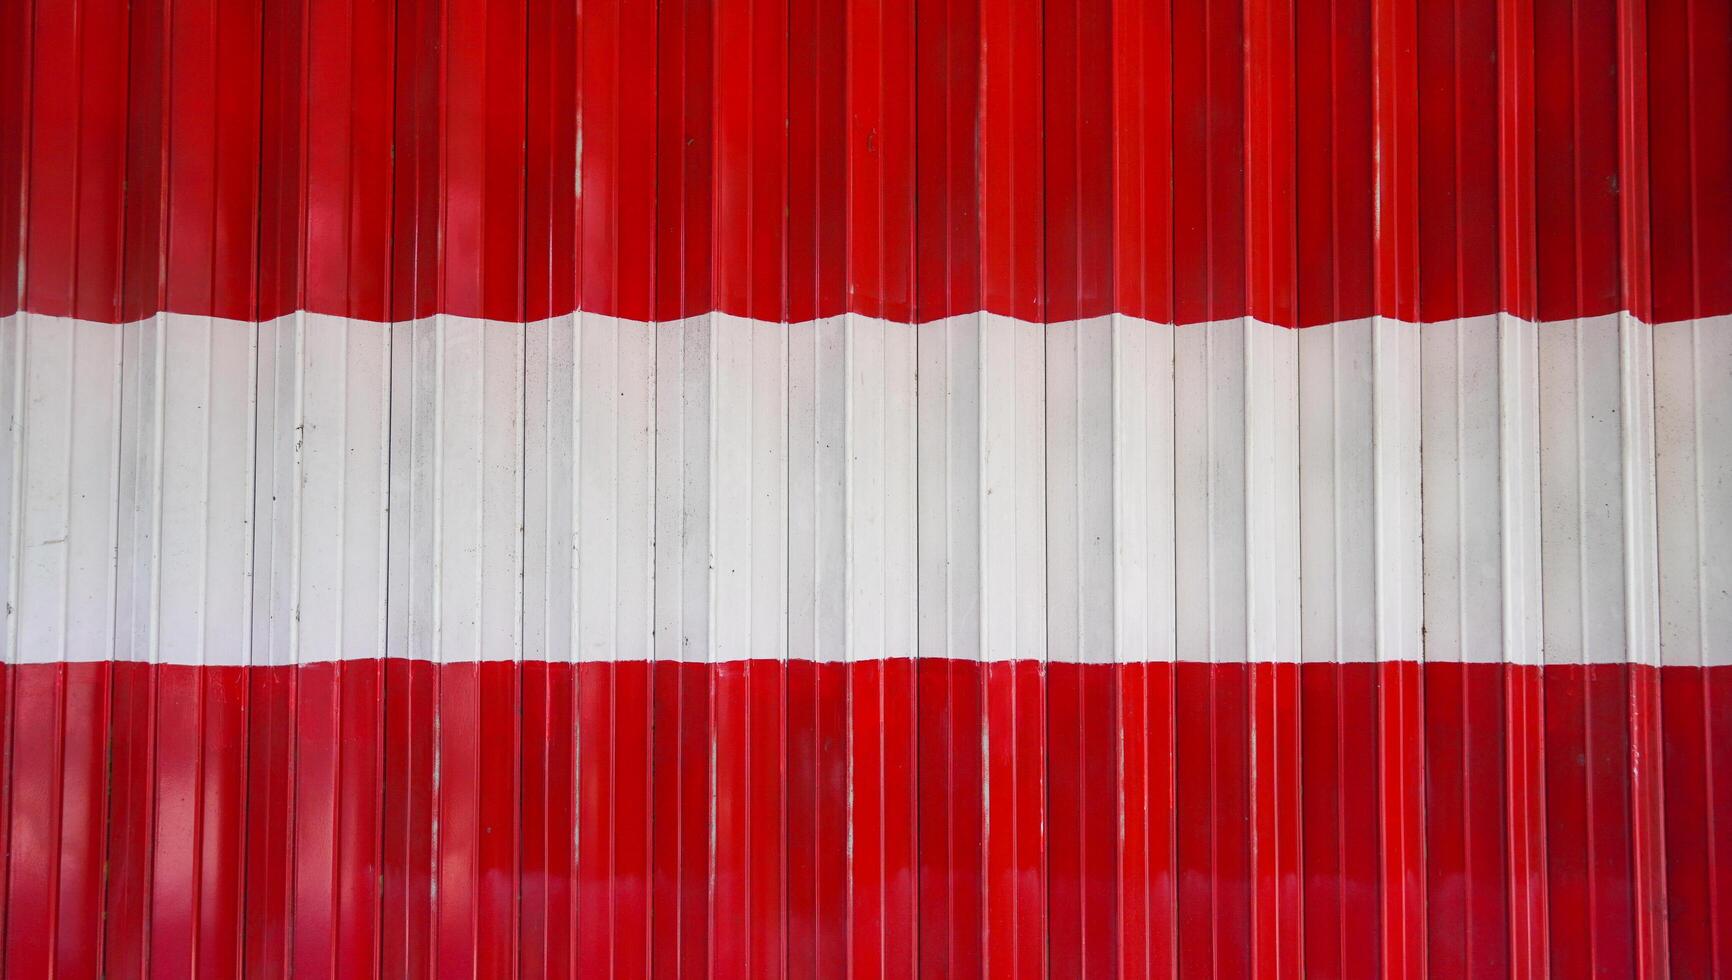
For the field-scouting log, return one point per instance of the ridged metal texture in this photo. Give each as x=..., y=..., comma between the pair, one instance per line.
x=943, y=487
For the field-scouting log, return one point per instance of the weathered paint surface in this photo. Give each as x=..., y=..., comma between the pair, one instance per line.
x=943, y=487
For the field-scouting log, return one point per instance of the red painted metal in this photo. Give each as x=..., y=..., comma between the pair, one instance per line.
x=1183, y=161
x=385, y=163
x=850, y=829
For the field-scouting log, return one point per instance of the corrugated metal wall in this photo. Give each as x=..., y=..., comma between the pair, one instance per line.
x=870, y=487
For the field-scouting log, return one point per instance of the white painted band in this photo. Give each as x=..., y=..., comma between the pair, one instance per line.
x=194, y=490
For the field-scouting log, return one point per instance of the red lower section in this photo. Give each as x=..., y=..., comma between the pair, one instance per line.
x=888, y=818
x=907, y=159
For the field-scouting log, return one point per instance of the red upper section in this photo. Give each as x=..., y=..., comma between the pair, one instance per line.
x=1182, y=160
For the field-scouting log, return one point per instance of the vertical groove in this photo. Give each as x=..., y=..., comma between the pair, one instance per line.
x=1641, y=532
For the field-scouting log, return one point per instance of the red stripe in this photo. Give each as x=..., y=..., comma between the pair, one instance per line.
x=1697, y=713
x=16, y=29
x=1401, y=799
x=1213, y=814
x=883, y=773
x=1459, y=149
x=752, y=88
x=1525, y=822
x=335, y=816
x=334, y=111
x=881, y=157
x=1138, y=933
x=952, y=818
x=948, y=167
x=766, y=908
x=613, y=726
x=7, y=708
x=1466, y=904
x=1082, y=826
x=128, y=843
x=385, y=163
x=549, y=791
x=78, y=165
x=1338, y=712
x=1277, y=873
x=1587, y=818
x=817, y=157
x=1143, y=158
x=270, y=809
x=1012, y=259
x=1576, y=161
x=1208, y=161
x=406, y=894
x=55, y=858
x=1015, y=894
x=945, y=816
x=1647, y=817
x=817, y=787
x=733, y=858
x=1690, y=152
x=1077, y=99
x=1515, y=148
x=1270, y=165
x=458, y=892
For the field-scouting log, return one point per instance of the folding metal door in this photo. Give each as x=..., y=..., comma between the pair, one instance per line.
x=869, y=487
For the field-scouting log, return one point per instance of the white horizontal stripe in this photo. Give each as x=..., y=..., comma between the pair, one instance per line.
x=192, y=490
x=1011, y=501
x=1081, y=519
x=321, y=467
x=1236, y=491
x=1600, y=579
x=1272, y=491
x=613, y=381
x=184, y=549
x=880, y=557
x=1693, y=436
x=65, y=488
x=12, y=391
x=1143, y=427
x=1479, y=408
